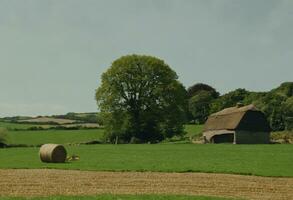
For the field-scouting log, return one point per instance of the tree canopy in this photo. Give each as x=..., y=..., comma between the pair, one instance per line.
x=199, y=106
x=141, y=100
x=276, y=104
x=200, y=97
x=199, y=87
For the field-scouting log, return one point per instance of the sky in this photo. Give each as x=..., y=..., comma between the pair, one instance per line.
x=53, y=52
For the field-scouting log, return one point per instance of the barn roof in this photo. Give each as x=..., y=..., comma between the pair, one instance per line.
x=235, y=109
x=230, y=118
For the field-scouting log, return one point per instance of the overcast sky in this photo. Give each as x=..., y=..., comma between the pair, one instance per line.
x=53, y=52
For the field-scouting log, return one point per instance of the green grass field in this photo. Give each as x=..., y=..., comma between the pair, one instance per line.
x=64, y=136
x=262, y=160
x=193, y=130
x=120, y=197
x=53, y=136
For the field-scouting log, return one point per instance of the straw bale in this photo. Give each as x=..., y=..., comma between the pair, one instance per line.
x=53, y=153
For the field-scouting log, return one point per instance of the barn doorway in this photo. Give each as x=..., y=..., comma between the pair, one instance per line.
x=223, y=138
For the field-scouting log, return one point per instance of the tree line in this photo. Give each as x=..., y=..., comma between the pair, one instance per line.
x=277, y=104
x=142, y=100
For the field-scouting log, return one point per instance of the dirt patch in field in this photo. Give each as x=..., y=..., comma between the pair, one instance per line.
x=29, y=183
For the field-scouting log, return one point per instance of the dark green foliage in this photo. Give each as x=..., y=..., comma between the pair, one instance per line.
x=288, y=113
x=285, y=89
x=200, y=96
x=199, y=106
x=229, y=100
x=199, y=87
x=271, y=104
x=140, y=97
x=276, y=104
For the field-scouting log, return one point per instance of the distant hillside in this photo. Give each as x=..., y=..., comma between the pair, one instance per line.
x=67, y=119
x=48, y=120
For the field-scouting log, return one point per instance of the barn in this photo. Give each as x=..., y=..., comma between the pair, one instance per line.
x=2, y=145
x=237, y=125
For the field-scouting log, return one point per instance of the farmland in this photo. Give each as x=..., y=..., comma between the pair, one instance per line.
x=53, y=136
x=138, y=163
x=11, y=126
x=38, y=137
x=27, y=182
x=121, y=197
x=261, y=160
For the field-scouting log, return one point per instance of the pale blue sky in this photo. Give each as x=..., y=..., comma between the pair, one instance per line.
x=52, y=52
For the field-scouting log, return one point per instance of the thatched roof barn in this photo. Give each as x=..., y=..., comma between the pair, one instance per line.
x=2, y=145
x=238, y=125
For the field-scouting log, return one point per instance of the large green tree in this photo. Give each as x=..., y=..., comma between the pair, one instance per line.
x=199, y=87
x=141, y=99
x=228, y=100
x=199, y=106
x=200, y=97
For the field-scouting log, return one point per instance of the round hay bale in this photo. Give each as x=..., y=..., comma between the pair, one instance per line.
x=53, y=153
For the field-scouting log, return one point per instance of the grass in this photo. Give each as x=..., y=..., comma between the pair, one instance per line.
x=193, y=130
x=261, y=160
x=39, y=137
x=53, y=136
x=119, y=197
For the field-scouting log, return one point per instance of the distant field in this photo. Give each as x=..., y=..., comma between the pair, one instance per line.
x=53, y=136
x=262, y=160
x=120, y=197
x=64, y=136
x=8, y=125
x=48, y=120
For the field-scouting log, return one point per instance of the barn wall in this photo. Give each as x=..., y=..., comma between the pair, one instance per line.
x=223, y=138
x=250, y=137
x=254, y=121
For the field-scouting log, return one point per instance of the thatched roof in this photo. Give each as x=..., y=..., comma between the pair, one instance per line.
x=235, y=109
x=243, y=118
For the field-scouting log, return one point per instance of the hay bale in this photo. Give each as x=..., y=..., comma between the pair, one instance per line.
x=53, y=153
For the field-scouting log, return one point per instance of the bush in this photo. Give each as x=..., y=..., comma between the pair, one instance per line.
x=284, y=137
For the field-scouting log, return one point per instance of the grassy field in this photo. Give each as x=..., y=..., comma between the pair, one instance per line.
x=64, y=136
x=120, y=197
x=193, y=130
x=53, y=136
x=262, y=160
